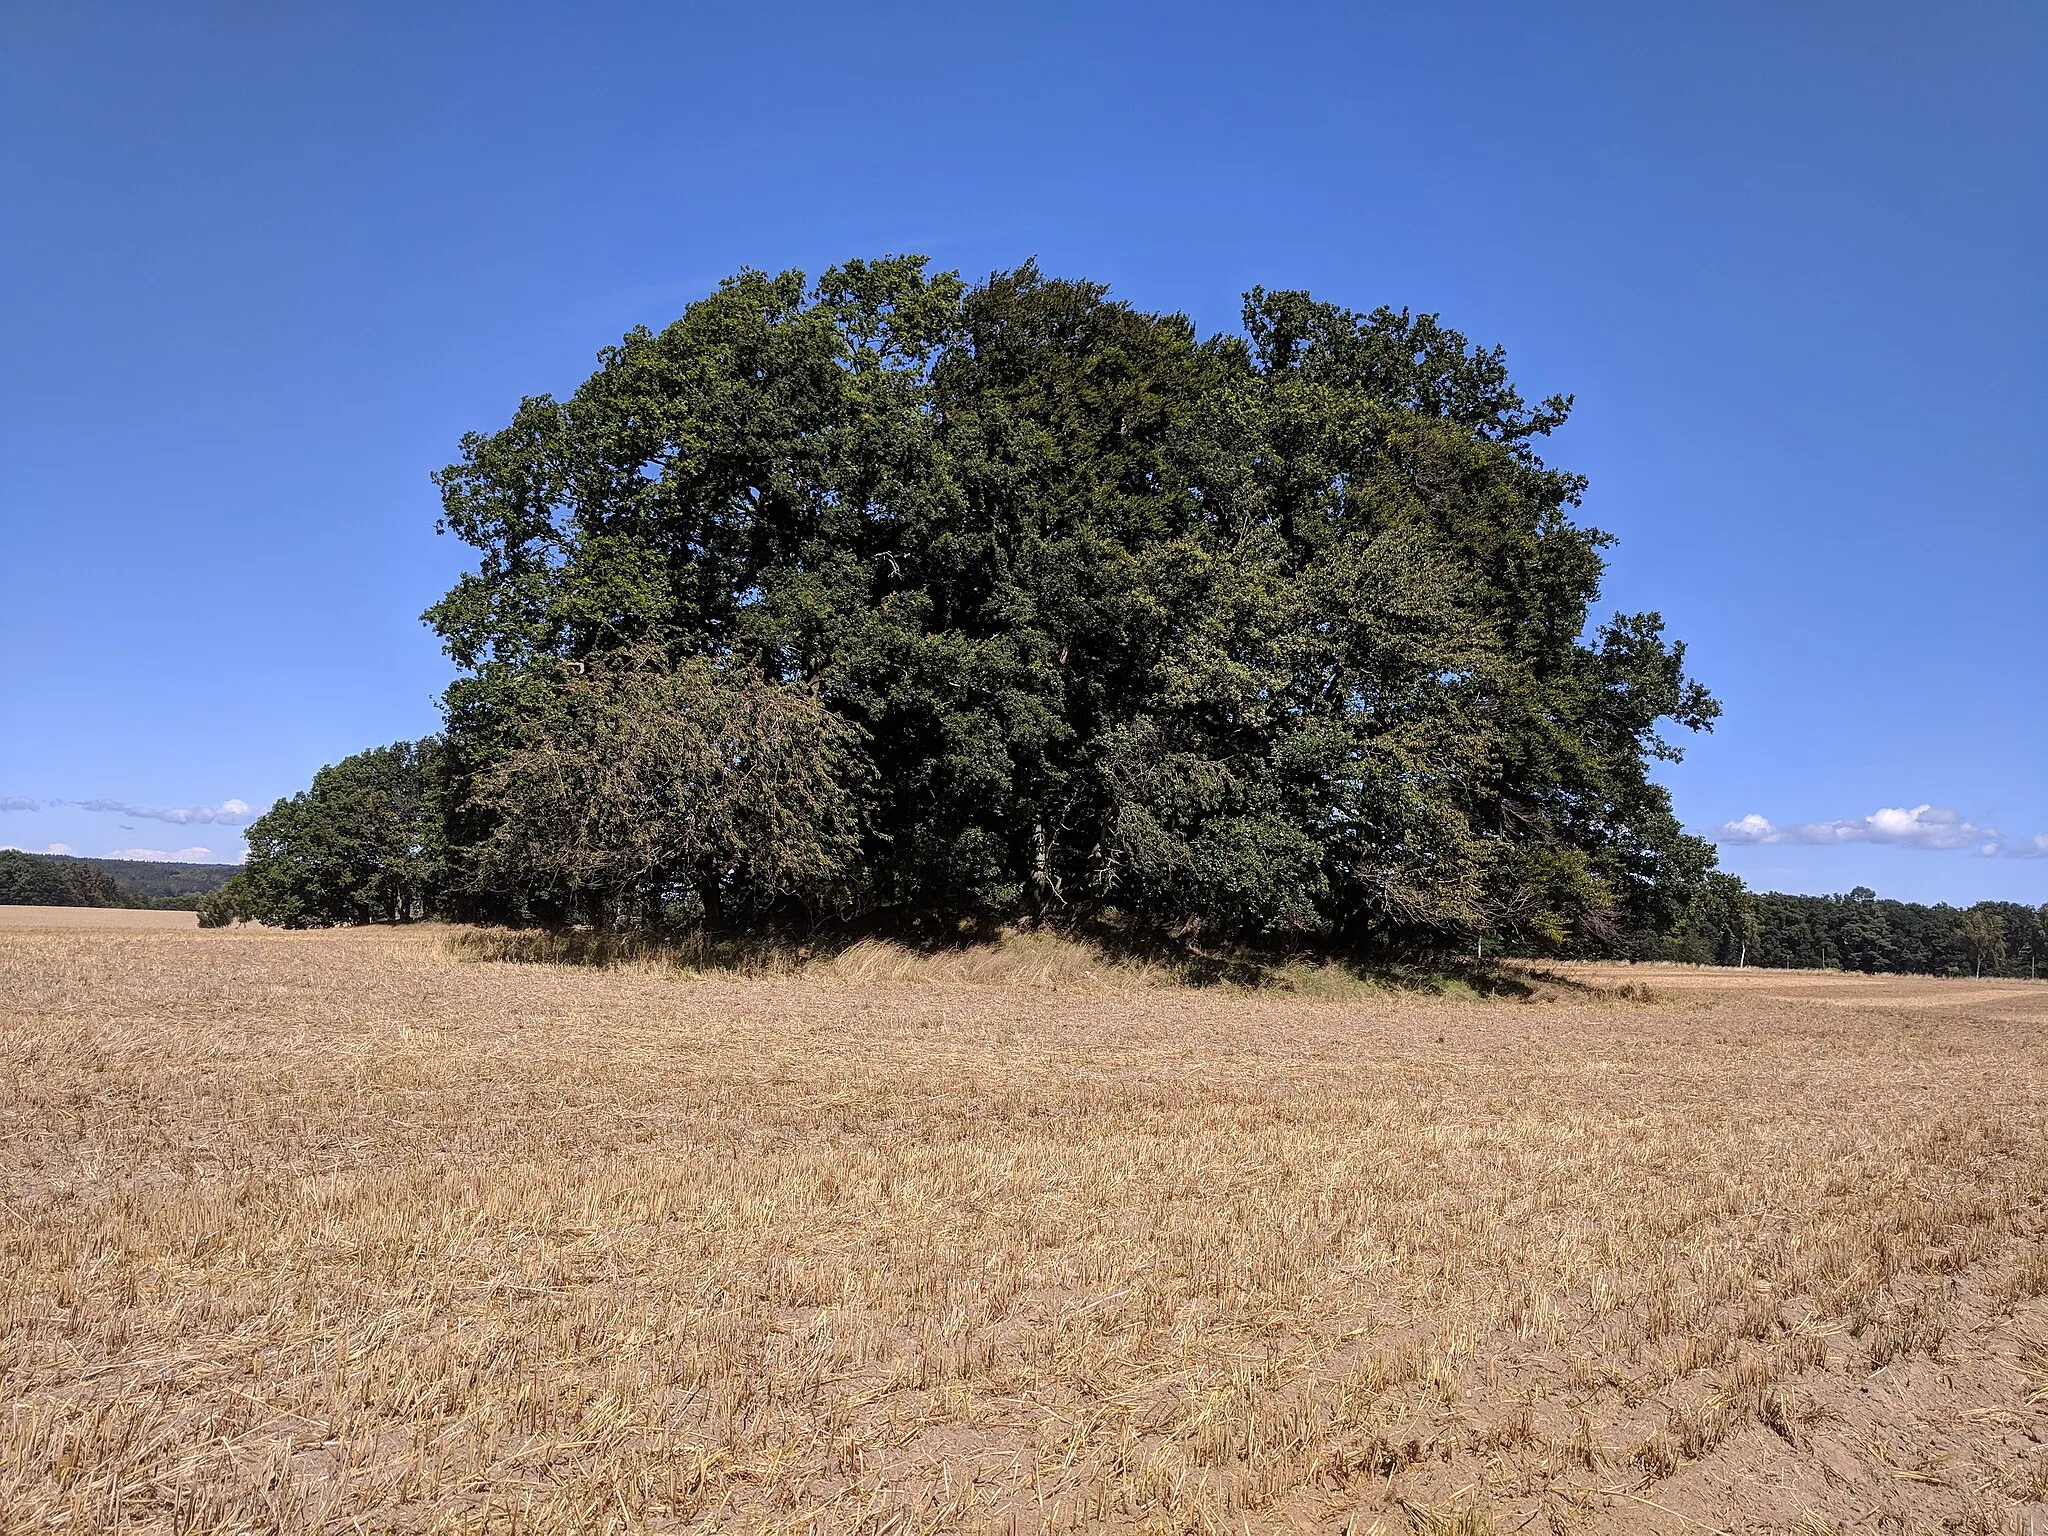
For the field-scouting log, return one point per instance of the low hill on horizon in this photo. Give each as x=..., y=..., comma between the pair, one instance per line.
x=162, y=877
x=58, y=879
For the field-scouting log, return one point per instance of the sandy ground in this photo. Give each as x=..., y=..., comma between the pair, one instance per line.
x=109, y=918
x=343, y=1232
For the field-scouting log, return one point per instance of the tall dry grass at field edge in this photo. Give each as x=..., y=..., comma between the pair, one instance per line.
x=1017, y=957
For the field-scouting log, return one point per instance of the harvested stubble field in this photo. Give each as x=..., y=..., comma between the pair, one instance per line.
x=348, y=1232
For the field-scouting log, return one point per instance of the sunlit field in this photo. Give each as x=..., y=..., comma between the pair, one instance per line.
x=357, y=1231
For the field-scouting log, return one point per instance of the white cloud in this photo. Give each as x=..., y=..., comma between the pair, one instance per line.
x=1927, y=827
x=157, y=855
x=229, y=813
x=19, y=803
x=64, y=848
x=1751, y=829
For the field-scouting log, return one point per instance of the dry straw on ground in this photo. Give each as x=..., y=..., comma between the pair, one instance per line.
x=94, y=917
x=348, y=1232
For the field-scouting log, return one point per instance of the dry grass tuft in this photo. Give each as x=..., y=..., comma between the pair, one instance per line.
x=2029, y=1278
x=348, y=1232
x=604, y=951
x=1425, y=1521
x=1018, y=958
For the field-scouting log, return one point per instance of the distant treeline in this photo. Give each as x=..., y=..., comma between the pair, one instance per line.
x=161, y=881
x=1727, y=924
x=1864, y=932
x=56, y=880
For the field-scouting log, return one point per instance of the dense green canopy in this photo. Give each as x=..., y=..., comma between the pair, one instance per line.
x=1275, y=635
x=362, y=845
x=1864, y=932
x=44, y=880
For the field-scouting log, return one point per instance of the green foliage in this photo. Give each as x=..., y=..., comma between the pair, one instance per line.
x=1719, y=926
x=362, y=845
x=1980, y=935
x=48, y=880
x=1862, y=932
x=228, y=903
x=641, y=793
x=163, y=878
x=1272, y=637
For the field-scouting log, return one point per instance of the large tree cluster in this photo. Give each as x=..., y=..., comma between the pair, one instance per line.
x=893, y=598
x=45, y=880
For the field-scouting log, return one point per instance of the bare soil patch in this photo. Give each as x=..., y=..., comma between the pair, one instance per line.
x=340, y=1232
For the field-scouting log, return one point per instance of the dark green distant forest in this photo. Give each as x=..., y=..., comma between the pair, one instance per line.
x=1728, y=925
x=894, y=603
x=1863, y=932
x=58, y=880
x=164, y=880
x=40, y=880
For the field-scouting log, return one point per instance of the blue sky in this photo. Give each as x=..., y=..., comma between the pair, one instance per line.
x=263, y=265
